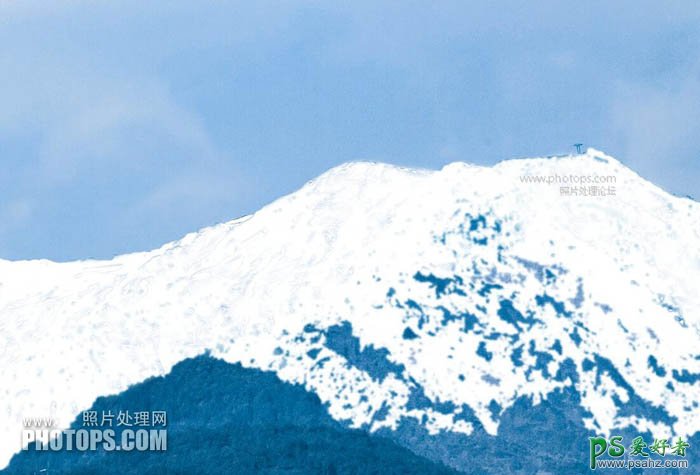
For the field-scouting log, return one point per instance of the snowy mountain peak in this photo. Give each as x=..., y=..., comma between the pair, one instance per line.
x=394, y=294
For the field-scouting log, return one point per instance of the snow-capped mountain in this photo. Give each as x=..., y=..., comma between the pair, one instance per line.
x=393, y=294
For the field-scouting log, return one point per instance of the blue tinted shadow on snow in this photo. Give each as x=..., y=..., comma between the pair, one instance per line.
x=623, y=327
x=492, y=380
x=578, y=298
x=440, y=284
x=374, y=361
x=418, y=400
x=541, y=272
x=655, y=367
x=478, y=226
x=467, y=318
x=557, y=346
x=677, y=316
x=410, y=303
x=483, y=352
x=685, y=376
x=476, y=222
x=495, y=408
x=542, y=359
x=224, y=418
x=635, y=404
x=558, y=306
x=508, y=313
x=487, y=288
x=516, y=356
x=575, y=337
x=417, y=311
x=567, y=370
x=381, y=414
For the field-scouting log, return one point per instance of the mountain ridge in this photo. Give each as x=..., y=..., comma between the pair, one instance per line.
x=473, y=287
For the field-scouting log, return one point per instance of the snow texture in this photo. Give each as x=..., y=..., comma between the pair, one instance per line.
x=393, y=294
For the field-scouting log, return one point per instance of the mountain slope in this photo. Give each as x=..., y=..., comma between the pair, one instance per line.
x=230, y=419
x=435, y=298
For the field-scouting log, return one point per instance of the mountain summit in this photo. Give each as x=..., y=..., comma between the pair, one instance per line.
x=435, y=298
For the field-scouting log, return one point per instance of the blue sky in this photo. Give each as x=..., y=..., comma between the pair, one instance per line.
x=124, y=125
